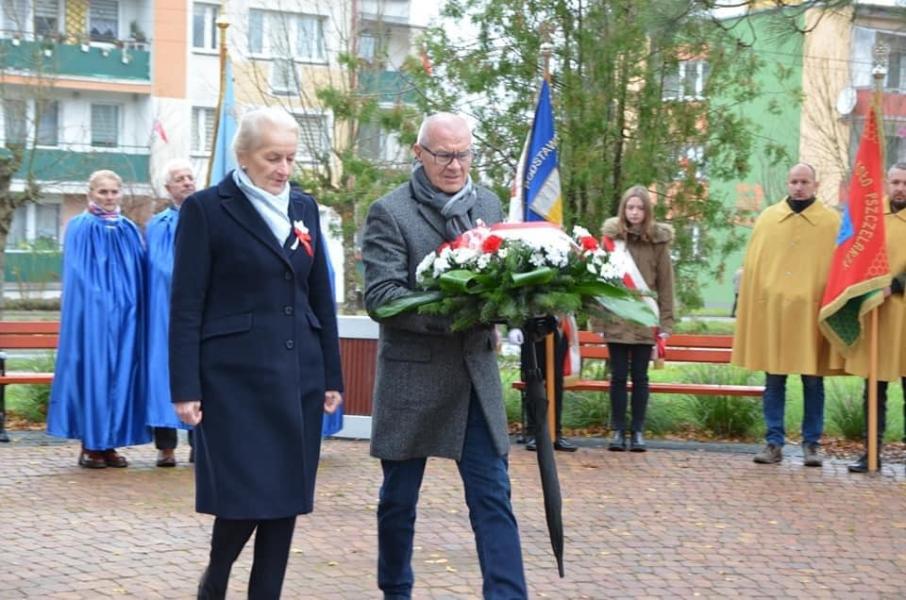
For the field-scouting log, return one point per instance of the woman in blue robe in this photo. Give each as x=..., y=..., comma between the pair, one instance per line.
x=179, y=181
x=98, y=391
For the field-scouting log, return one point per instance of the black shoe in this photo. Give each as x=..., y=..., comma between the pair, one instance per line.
x=530, y=444
x=617, y=442
x=637, y=442
x=564, y=445
x=861, y=465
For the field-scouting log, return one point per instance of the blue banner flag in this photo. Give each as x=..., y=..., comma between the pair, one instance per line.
x=224, y=160
x=331, y=424
x=540, y=180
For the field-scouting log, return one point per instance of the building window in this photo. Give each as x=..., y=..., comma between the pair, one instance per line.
x=47, y=223
x=310, y=37
x=15, y=15
x=46, y=18
x=204, y=26
x=105, y=119
x=15, y=121
x=103, y=20
x=286, y=34
x=896, y=60
x=367, y=46
x=36, y=226
x=47, y=120
x=863, y=42
x=894, y=138
x=372, y=45
x=314, y=139
x=686, y=81
x=284, y=81
x=202, y=130
x=691, y=159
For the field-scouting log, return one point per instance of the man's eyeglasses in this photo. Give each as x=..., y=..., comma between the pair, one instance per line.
x=445, y=159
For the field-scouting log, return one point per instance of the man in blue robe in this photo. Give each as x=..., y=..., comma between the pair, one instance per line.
x=179, y=180
x=98, y=391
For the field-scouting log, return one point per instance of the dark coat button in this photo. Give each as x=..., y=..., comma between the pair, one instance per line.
x=287, y=275
x=287, y=310
x=289, y=344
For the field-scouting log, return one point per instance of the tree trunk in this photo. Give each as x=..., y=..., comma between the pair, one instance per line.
x=352, y=302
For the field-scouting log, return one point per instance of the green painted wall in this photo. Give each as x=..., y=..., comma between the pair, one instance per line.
x=62, y=165
x=69, y=59
x=776, y=116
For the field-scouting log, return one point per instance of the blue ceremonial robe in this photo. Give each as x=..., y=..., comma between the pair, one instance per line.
x=159, y=235
x=98, y=391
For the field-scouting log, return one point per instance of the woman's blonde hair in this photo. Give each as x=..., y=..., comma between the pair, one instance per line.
x=647, y=226
x=104, y=174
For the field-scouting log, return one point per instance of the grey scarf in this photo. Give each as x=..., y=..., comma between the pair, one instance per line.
x=454, y=209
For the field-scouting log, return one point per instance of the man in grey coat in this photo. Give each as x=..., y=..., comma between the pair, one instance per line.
x=437, y=392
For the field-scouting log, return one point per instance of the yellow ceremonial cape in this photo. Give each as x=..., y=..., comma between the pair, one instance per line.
x=891, y=314
x=783, y=280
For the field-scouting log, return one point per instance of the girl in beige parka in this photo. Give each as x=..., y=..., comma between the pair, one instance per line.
x=647, y=244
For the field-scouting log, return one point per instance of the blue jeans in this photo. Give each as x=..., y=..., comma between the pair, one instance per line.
x=487, y=487
x=812, y=411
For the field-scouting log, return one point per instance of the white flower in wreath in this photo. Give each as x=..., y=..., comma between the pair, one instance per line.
x=580, y=232
x=423, y=267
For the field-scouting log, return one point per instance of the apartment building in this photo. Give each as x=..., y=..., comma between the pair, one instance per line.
x=129, y=84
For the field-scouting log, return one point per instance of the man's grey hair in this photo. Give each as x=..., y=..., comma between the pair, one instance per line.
x=172, y=165
x=437, y=119
x=899, y=166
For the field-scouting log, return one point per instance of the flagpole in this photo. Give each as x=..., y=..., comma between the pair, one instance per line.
x=879, y=72
x=549, y=370
x=222, y=24
x=872, y=415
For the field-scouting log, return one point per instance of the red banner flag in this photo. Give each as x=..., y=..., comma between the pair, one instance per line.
x=859, y=269
x=158, y=128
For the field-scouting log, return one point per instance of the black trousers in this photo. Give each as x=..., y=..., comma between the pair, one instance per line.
x=165, y=438
x=272, y=543
x=561, y=345
x=628, y=360
x=882, y=408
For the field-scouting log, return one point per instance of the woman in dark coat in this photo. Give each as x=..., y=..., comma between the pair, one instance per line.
x=254, y=354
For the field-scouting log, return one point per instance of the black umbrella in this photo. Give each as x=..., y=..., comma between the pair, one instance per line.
x=536, y=399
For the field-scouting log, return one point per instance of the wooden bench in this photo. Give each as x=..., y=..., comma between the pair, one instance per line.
x=681, y=348
x=23, y=335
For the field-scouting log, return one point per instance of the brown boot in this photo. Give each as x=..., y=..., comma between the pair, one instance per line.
x=114, y=459
x=90, y=459
x=166, y=458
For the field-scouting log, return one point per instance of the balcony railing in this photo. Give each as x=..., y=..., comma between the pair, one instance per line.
x=51, y=57
x=59, y=165
x=389, y=86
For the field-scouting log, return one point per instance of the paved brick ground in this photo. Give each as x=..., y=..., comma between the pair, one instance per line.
x=666, y=524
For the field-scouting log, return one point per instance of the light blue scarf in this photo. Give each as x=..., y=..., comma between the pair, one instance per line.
x=273, y=209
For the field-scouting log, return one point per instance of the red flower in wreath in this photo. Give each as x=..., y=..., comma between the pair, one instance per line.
x=491, y=244
x=589, y=243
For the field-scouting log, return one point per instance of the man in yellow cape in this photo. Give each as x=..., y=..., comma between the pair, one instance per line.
x=891, y=314
x=783, y=280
